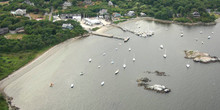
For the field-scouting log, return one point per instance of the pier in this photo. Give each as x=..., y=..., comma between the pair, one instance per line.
x=106, y=35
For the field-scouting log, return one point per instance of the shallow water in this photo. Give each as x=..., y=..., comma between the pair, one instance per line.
x=196, y=88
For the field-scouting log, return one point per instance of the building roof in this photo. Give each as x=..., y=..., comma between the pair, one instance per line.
x=67, y=4
x=67, y=25
x=103, y=11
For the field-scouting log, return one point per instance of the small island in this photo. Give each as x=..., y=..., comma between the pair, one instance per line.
x=156, y=87
x=200, y=56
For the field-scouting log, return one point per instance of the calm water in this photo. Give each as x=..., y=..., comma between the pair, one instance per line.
x=196, y=88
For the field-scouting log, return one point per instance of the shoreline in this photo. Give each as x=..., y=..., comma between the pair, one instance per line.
x=173, y=22
x=29, y=66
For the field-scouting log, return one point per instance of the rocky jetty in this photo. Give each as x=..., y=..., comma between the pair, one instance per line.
x=200, y=56
x=156, y=87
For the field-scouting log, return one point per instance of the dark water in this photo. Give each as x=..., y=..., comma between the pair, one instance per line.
x=196, y=88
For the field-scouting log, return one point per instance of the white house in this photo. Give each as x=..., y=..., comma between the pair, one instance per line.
x=110, y=3
x=66, y=4
x=131, y=13
x=67, y=26
x=19, y=12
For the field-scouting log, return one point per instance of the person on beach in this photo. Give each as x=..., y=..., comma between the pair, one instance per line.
x=51, y=84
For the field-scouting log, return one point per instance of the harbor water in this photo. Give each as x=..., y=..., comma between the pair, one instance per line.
x=194, y=88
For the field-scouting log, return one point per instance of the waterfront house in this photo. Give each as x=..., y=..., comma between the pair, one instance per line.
x=116, y=15
x=130, y=13
x=142, y=14
x=196, y=14
x=3, y=31
x=67, y=26
x=19, y=12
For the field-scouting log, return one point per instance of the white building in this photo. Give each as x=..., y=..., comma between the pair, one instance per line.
x=19, y=12
x=92, y=21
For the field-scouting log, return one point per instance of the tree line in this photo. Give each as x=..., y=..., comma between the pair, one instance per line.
x=39, y=34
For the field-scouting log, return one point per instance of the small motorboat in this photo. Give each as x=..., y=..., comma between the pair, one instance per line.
x=81, y=73
x=212, y=32
x=90, y=60
x=200, y=32
x=103, y=54
x=112, y=62
x=72, y=85
x=129, y=49
x=102, y=83
x=116, y=72
x=99, y=66
x=202, y=42
x=116, y=49
x=161, y=46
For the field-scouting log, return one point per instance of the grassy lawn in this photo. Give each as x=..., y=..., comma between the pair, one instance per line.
x=14, y=36
x=3, y=104
x=95, y=29
x=10, y=62
x=6, y=2
x=35, y=16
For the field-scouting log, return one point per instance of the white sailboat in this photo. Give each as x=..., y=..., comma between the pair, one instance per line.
x=116, y=72
x=102, y=83
x=209, y=37
x=181, y=34
x=72, y=85
x=90, y=60
x=165, y=55
x=161, y=46
x=134, y=58
x=124, y=66
x=188, y=65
